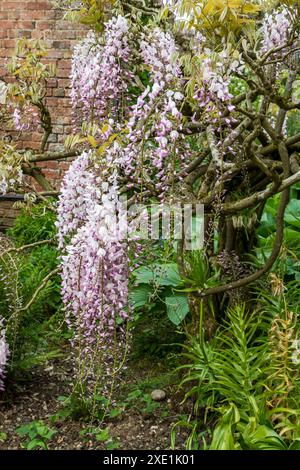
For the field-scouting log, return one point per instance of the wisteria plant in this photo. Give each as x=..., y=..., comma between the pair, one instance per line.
x=173, y=102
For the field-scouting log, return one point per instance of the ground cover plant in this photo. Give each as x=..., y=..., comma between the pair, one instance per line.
x=176, y=104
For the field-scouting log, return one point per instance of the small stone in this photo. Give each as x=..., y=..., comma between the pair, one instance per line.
x=158, y=395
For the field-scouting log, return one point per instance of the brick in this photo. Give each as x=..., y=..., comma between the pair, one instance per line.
x=13, y=33
x=63, y=82
x=37, y=34
x=58, y=129
x=61, y=44
x=56, y=147
x=14, y=14
x=14, y=5
x=64, y=64
x=45, y=25
x=6, y=222
x=52, y=138
x=66, y=34
x=61, y=119
x=6, y=204
x=6, y=52
x=51, y=165
x=11, y=213
x=38, y=15
x=52, y=102
x=55, y=54
x=7, y=24
x=25, y=24
x=38, y=5
x=9, y=43
x=59, y=92
x=68, y=54
x=63, y=73
x=64, y=26
x=52, y=82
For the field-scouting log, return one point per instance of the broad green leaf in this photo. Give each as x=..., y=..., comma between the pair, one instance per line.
x=36, y=443
x=292, y=213
x=264, y=438
x=103, y=435
x=139, y=296
x=177, y=308
x=223, y=436
x=159, y=274
x=295, y=445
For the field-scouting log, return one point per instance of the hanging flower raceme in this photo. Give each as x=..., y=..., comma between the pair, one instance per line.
x=4, y=355
x=95, y=276
x=100, y=73
x=275, y=29
x=91, y=231
x=79, y=194
x=156, y=117
x=85, y=71
x=213, y=90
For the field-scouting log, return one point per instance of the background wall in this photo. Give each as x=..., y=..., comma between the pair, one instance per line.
x=40, y=20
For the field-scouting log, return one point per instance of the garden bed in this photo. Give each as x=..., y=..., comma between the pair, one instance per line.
x=37, y=399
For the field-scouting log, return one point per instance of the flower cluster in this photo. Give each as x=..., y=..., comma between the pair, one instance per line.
x=25, y=119
x=4, y=355
x=99, y=75
x=79, y=193
x=11, y=174
x=95, y=276
x=156, y=116
x=275, y=29
x=213, y=94
x=94, y=260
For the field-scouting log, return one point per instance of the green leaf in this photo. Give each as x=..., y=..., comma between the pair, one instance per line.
x=36, y=443
x=177, y=308
x=23, y=430
x=295, y=445
x=42, y=430
x=223, y=436
x=92, y=141
x=264, y=438
x=3, y=436
x=111, y=445
x=292, y=213
x=139, y=296
x=115, y=412
x=103, y=435
x=159, y=274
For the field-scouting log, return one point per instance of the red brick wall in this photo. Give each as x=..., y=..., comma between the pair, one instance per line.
x=38, y=19
x=7, y=214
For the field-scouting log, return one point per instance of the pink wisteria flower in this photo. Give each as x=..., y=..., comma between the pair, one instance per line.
x=4, y=355
x=275, y=29
x=99, y=74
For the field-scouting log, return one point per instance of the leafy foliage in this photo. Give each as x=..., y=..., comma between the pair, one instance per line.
x=248, y=375
x=37, y=433
x=31, y=332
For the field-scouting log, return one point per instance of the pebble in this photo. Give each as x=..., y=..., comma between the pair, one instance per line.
x=158, y=395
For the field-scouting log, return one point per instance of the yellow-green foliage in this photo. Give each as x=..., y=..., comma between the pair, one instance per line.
x=30, y=72
x=219, y=16
x=91, y=12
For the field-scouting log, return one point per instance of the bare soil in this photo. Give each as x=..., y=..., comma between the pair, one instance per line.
x=37, y=399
